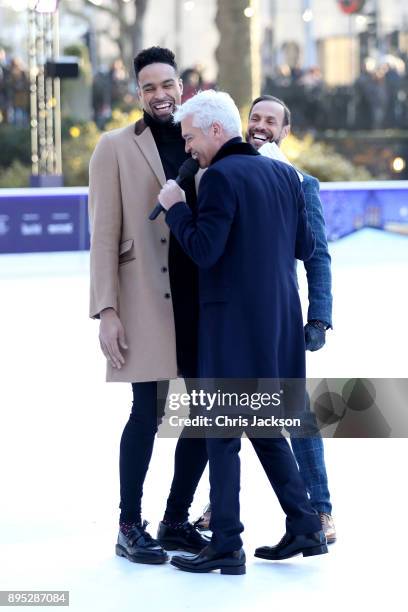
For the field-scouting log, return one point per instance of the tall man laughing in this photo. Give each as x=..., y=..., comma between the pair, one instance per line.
x=144, y=291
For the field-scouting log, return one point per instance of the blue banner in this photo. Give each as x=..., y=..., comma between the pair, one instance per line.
x=56, y=219
x=42, y=220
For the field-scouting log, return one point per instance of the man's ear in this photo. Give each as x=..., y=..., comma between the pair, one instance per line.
x=139, y=95
x=216, y=128
x=285, y=132
x=181, y=85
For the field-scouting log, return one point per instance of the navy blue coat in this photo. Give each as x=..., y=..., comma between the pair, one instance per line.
x=251, y=224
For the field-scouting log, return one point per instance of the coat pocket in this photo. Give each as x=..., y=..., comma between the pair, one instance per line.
x=126, y=251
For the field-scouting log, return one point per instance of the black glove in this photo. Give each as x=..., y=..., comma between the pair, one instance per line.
x=315, y=335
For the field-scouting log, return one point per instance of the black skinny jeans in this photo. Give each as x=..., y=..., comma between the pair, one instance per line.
x=136, y=448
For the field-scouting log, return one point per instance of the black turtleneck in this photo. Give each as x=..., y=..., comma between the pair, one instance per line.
x=170, y=144
x=183, y=272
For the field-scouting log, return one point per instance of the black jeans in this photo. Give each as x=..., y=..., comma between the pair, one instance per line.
x=136, y=448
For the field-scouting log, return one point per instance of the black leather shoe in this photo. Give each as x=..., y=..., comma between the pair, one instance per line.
x=139, y=546
x=291, y=545
x=232, y=563
x=183, y=537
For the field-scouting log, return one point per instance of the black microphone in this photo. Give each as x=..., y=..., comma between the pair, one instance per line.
x=187, y=170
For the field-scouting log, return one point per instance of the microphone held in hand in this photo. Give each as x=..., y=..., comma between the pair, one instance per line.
x=187, y=170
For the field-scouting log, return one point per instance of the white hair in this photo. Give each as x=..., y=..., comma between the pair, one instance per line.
x=211, y=106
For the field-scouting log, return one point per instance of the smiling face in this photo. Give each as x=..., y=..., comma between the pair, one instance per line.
x=160, y=90
x=265, y=124
x=202, y=147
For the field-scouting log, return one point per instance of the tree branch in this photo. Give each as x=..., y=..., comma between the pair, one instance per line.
x=75, y=12
x=102, y=8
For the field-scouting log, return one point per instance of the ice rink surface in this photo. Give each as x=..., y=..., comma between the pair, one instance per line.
x=59, y=437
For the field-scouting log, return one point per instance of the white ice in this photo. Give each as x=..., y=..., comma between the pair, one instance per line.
x=59, y=437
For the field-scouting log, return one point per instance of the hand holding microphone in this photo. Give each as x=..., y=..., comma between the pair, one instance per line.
x=171, y=193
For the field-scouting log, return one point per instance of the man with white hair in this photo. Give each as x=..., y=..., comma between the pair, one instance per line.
x=251, y=223
x=269, y=123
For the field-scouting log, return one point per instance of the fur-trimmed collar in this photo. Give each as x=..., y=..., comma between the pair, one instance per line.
x=235, y=146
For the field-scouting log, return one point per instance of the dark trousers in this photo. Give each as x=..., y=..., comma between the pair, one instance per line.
x=136, y=448
x=189, y=463
x=281, y=469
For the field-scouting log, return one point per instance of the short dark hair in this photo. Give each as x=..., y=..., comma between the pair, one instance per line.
x=153, y=55
x=287, y=114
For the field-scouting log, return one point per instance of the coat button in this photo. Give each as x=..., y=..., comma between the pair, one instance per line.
x=164, y=269
x=167, y=296
x=163, y=240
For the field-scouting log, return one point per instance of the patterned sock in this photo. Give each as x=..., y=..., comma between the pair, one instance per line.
x=126, y=526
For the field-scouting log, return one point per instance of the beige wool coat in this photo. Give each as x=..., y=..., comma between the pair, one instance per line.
x=129, y=253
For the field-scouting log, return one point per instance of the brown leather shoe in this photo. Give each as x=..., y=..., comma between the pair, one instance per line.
x=203, y=523
x=328, y=527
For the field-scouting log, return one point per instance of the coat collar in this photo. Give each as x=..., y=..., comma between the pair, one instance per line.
x=235, y=146
x=145, y=141
x=140, y=126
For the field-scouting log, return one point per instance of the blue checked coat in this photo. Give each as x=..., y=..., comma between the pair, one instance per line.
x=318, y=269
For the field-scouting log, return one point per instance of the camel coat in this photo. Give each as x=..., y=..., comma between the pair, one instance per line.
x=129, y=253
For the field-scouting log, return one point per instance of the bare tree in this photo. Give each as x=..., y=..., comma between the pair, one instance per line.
x=128, y=25
x=235, y=53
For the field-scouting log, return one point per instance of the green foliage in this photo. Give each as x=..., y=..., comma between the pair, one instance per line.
x=67, y=123
x=16, y=175
x=15, y=145
x=322, y=161
x=79, y=140
x=76, y=153
x=77, y=50
x=122, y=119
x=77, y=148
